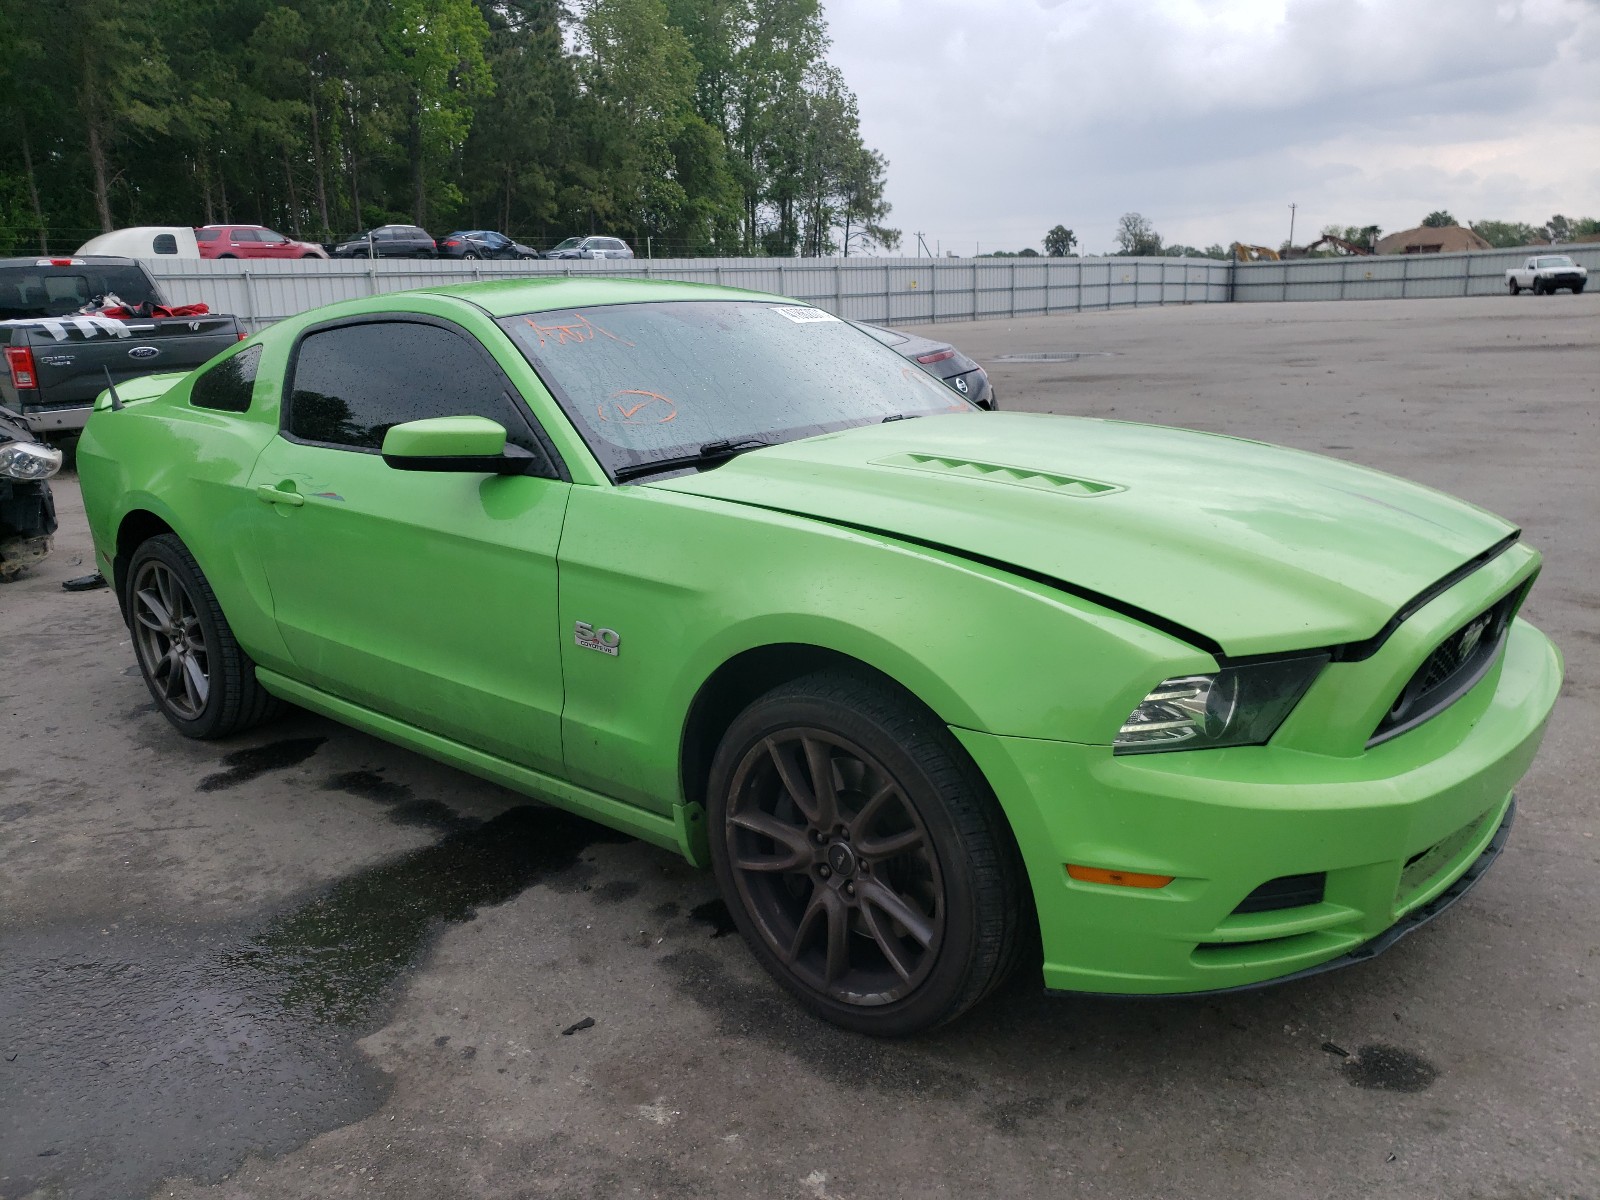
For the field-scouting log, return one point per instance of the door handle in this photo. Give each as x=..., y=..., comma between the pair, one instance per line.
x=271, y=495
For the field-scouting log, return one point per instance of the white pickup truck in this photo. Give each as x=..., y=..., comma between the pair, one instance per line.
x=1545, y=273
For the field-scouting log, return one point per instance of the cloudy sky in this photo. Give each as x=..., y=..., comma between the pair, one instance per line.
x=1001, y=118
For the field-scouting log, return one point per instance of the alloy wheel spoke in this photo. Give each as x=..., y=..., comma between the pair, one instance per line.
x=816, y=908
x=794, y=847
x=195, y=682
x=889, y=845
x=823, y=789
x=164, y=588
x=891, y=904
x=790, y=773
x=162, y=617
x=838, y=936
x=893, y=951
x=872, y=810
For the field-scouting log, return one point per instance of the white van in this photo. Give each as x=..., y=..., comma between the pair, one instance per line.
x=145, y=241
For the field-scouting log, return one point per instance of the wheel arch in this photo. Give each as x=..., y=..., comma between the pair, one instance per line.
x=738, y=681
x=138, y=525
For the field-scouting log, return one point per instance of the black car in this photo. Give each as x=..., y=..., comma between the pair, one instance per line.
x=388, y=241
x=940, y=359
x=483, y=243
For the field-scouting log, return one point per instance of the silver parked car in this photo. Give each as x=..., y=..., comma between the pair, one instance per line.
x=591, y=247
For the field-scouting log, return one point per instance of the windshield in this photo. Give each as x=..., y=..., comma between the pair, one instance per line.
x=568, y=244
x=1560, y=260
x=645, y=382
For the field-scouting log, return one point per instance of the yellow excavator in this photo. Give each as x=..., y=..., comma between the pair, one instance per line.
x=1244, y=253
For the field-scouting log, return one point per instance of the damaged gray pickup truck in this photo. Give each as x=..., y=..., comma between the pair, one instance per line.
x=66, y=322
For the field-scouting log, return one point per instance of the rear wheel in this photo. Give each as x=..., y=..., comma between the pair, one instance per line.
x=1513, y=285
x=863, y=856
x=201, y=679
x=470, y=254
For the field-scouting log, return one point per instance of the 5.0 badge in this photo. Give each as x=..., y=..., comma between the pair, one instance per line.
x=604, y=640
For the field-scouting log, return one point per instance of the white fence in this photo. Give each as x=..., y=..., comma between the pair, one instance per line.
x=889, y=290
x=1394, y=276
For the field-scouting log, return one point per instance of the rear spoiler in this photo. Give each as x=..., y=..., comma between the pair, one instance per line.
x=140, y=387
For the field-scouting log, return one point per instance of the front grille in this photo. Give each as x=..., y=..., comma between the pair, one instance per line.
x=1450, y=670
x=1287, y=891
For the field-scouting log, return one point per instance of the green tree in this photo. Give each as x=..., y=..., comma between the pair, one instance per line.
x=1059, y=242
x=1438, y=219
x=1506, y=234
x=1136, y=236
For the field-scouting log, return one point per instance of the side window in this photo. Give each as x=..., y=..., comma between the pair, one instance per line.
x=271, y=238
x=245, y=235
x=226, y=387
x=352, y=383
x=164, y=243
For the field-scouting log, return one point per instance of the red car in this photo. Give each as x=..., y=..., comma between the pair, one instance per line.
x=252, y=241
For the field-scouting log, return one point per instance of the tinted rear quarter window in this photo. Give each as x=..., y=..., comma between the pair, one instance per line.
x=227, y=386
x=164, y=243
x=353, y=383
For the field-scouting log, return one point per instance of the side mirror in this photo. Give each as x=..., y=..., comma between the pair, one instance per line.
x=474, y=445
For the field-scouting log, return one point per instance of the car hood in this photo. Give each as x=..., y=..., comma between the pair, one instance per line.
x=1256, y=548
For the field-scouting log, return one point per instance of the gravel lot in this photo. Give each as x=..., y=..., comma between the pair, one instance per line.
x=310, y=964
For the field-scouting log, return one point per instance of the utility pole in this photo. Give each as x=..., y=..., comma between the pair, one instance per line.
x=1292, y=207
x=923, y=246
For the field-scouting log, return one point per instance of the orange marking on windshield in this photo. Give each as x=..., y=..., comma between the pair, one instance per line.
x=579, y=329
x=628, y=414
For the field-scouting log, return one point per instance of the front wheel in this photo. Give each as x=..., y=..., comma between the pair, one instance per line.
x=200, y=678
x=1515, y=288
x=863, y=856
x=1577, y=289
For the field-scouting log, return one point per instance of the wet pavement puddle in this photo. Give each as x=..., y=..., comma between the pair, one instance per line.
x=135, y=1053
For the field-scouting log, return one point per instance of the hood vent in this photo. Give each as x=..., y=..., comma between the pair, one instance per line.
x=963, y=468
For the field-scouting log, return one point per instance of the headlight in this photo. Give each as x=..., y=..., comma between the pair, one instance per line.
x=1237, y=706
x=29, y=460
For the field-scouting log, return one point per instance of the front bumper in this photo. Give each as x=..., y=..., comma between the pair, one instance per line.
x=1391, y=830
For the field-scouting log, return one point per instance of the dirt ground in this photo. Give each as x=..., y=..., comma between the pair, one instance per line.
x=308, y=964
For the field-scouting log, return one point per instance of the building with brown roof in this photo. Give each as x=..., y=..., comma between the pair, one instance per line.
x=1426, y=239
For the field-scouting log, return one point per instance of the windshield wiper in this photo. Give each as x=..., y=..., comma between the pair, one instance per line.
x=899, y=417
x=710, y=454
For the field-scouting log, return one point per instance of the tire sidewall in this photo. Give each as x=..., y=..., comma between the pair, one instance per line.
x=168, y=551
x=930, y=1004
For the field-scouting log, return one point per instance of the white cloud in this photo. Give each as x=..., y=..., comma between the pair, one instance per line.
x=1001, y=119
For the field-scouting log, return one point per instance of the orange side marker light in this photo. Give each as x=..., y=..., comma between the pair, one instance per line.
x=1119, y=878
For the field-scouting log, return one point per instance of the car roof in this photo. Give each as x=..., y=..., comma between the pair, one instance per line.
x=508, y=297
x=232, y=225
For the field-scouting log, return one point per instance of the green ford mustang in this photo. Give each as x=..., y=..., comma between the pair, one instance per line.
x=721, y=571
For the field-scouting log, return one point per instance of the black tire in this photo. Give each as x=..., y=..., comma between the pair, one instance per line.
x=913, y=830
x=1577, y=289
x=196, y=634
x=1538, y=287
x=1516, y=288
